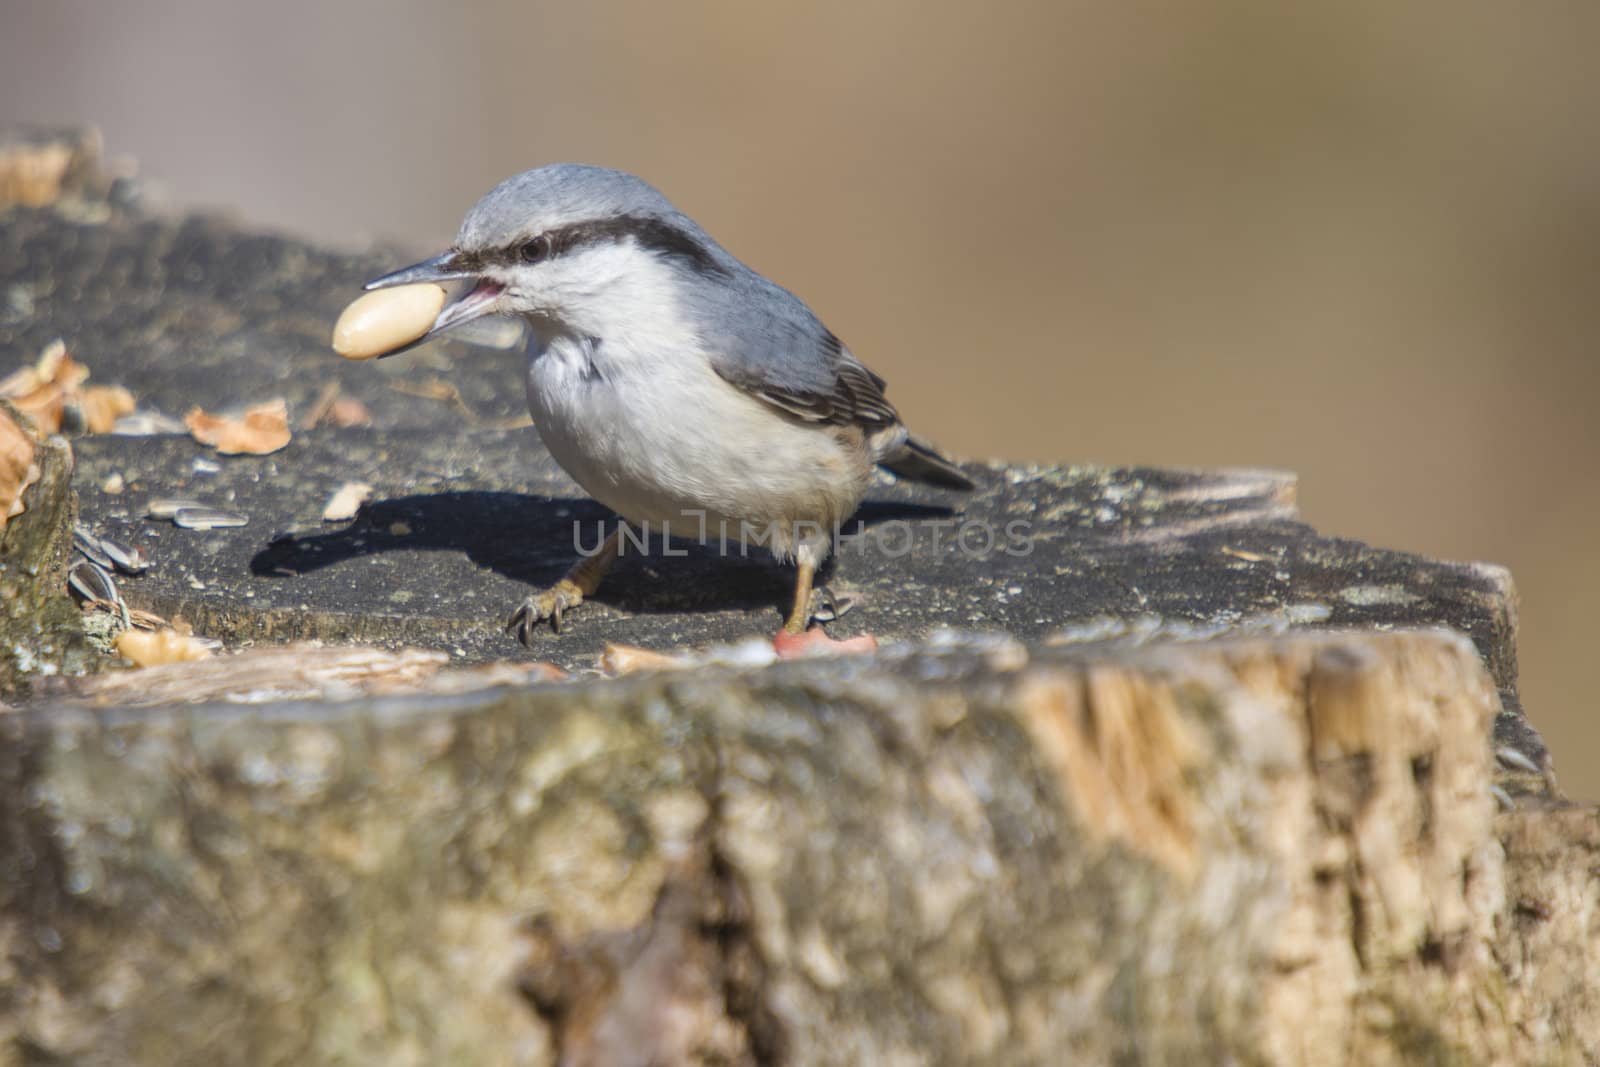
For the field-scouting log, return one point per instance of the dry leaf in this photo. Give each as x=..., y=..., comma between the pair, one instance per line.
x=103, y=405
x=45, y=406
x=40, y=391
x=22, y=380
x=259, y=431
x=45, y=391
x=152, y=648
x=18, y=467
x=57, y=365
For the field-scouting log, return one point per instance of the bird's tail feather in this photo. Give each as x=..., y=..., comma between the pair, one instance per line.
x=919, y=461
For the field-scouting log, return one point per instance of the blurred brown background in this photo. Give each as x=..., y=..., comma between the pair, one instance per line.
x=1360, y=240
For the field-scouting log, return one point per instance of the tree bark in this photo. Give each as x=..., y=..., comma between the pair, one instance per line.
x=1270, y=851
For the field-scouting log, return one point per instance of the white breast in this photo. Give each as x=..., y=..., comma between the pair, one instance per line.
x=643, y=423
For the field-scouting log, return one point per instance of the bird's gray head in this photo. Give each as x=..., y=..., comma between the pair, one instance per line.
x=560, y=244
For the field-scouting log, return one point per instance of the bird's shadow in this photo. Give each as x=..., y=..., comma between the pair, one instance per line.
x=533, y=540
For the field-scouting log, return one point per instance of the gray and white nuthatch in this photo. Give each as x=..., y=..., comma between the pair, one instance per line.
x=676, y=385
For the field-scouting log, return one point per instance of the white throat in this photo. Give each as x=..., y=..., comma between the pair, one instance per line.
x=616, y=294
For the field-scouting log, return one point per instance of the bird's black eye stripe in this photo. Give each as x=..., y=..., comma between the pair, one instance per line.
x=535, y=249
x=657, y=235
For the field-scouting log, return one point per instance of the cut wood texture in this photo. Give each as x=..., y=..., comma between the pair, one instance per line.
x=1276, y=850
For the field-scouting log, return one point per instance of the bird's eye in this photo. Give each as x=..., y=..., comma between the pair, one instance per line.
x=534, y=250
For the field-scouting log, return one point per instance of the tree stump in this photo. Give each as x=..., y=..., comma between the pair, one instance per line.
x=1148, y=769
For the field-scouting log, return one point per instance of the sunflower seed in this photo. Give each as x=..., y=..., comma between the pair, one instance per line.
x=1516, y=761
x=145, y=424
x=167, y=507
x=204, y=518
x=109, y=554
x=129, y=559
x=92, y=582
x=91, y=546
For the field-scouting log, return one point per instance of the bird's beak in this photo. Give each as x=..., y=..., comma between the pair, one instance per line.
x=477, y=301
x=445, y=267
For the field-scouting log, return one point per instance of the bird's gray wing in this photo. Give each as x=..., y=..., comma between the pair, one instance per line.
x=778, y=352
x=850, y=394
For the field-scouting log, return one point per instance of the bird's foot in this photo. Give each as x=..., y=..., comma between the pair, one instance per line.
x=550, y=604
x=831, y=607
x=816, y=642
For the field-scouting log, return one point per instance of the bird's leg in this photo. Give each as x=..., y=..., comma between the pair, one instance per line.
x=580, y=582
x=800, y=614
x=796, y=640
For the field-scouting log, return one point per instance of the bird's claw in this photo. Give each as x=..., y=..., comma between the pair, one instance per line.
x=550, y=604
x=831, y=607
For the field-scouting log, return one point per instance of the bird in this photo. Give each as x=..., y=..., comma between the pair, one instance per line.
x=680, y=388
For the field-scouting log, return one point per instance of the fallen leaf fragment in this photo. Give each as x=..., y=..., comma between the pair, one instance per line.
x=18, y=382
x=40, y=391
x=259, y=431
x=153, y=648
x=18, y=467
x=53, y=386
x=46, y=406
x=346, y=501
x=54, y=365
x=103, y=405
